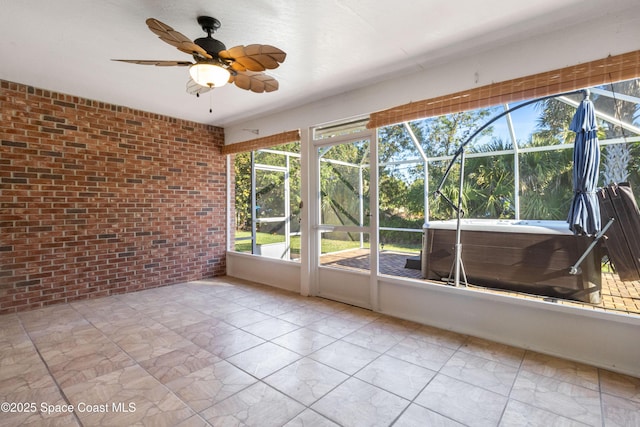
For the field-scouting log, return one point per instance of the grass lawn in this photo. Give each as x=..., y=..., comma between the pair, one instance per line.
x=328, y=245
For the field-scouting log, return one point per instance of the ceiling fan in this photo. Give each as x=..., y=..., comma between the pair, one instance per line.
x=215, y=65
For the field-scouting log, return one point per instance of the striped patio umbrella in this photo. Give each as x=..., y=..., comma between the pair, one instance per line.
x=584, y=214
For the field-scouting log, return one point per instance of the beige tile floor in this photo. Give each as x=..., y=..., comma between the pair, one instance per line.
x=226, y=353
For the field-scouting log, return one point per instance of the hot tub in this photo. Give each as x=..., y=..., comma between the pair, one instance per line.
x=526, y=256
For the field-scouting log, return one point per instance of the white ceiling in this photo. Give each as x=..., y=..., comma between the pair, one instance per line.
x=332, y=46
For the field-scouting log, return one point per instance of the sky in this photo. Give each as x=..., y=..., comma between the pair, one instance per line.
x=524, y=123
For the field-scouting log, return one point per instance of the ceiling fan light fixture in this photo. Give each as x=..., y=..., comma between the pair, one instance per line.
x=209, y=75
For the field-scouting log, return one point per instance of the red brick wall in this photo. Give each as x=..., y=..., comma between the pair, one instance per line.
x=98, y=199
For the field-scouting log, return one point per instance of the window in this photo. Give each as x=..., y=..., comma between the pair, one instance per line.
x=532, y=144
x=267, y=202
x=520, y=167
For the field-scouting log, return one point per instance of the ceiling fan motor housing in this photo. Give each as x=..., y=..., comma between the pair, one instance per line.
x=211, y=45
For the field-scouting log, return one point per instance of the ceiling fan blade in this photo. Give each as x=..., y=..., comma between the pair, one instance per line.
x=255, y=82
x=194, y=88
x=159, y=63
x=254, y=57
x=272, y=52
x=175, y=38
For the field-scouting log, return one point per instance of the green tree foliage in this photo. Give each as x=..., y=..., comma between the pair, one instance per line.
x=545, y=183
x=342, y=167
x=620, y=162
x=444, y=134
x=545, y=173
x=491, y=182
x=242, y=172
x=269, y=185
x=545, y=176
x=402, y=188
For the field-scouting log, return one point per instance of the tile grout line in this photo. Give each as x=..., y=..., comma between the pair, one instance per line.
x=53, y=378
x=513, y=383
x=602, y=413
x=438, y=372
x=556, y=413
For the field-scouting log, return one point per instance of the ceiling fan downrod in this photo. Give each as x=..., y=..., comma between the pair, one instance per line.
x=209, y=25
x=209, y=44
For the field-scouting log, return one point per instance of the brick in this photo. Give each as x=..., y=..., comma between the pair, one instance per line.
x=14, y=144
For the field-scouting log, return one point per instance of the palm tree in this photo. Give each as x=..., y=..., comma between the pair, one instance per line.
x=619, y=162
x=546, y=186
x=545, y=183
x=617, y=158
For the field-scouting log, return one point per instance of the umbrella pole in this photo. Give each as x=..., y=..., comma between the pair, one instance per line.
x=575, y=268
x=458, y=246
